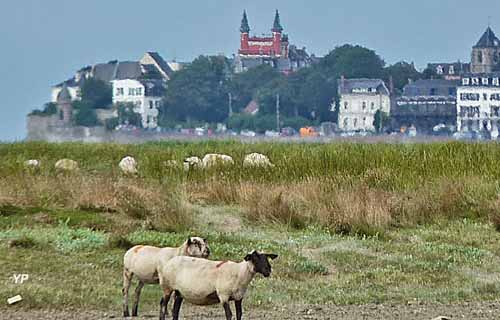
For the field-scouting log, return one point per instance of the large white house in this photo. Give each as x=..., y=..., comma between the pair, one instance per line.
x=145, y=95
x=359, y=101
x=478, y=103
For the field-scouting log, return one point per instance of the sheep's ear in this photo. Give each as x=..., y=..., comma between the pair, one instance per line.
x=272, y=256
x=189, y=242
x=248, y=257
x=205, y=240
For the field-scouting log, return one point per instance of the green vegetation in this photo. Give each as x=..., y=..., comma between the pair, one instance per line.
x=49, y=109
x=202, y=90
x=352, y=223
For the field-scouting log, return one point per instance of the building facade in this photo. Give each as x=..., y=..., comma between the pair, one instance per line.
x=273, y=49
x=486, y=53
x=359, y=101
x=478, y=103
x=426, y=105
x=145, y=95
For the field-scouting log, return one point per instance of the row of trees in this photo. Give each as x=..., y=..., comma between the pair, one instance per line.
x=207, y=90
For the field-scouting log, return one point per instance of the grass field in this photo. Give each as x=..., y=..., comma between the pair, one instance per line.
x=352, y=223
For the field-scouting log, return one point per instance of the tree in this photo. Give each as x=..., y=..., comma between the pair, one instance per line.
x=85, y=115
x=49, y=109
x=401, y=72
x=198, y=92
x=352, y=62
x=381, y=119
x=430, y=73
x=97, y=93
x=127, y=115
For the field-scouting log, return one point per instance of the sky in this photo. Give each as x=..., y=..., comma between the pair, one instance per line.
x=43, y=42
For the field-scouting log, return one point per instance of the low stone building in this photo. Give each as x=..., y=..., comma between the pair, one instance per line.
x=478, y=104
x=359, y=100
x=426, y=105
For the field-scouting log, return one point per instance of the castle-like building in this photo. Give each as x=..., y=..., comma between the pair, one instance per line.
x=273, y=49
x=486, y=53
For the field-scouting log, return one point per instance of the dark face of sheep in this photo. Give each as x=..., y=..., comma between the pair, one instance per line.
x=198, y=247
x=260, y=262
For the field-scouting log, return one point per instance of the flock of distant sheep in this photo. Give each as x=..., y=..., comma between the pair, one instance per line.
x=129, y=165
x=185, y=273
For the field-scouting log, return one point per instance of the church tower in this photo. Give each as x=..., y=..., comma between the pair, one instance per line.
x=64, y=107
x=486, y=53
x=245, y=31
x=277, y=32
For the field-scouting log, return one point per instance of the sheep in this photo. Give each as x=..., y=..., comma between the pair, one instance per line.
x=192, y=162
x=128, y=165
x=213, y=159
x=143, y=261
x=66, y=165
x=257, y=160
x=33, y=163
x=205, y=282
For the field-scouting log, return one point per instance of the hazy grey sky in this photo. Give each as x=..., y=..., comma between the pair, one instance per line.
x=43, y=42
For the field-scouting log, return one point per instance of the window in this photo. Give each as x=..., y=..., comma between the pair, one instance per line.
x=433, y=91
x=475, y=81
x=439, y=70
x=452, y=91
x=131, y=91
x=346, y=104
x=480, y=57
x=373, y=105
x=485, y=97
x=151, y=105
x=157, y=104
x=364, y=105
x=364, y=121
x=469, y=96
x=485, y=81
x=451, y=70
x=465, y=81
x=119, y=91
x=138, y=91
x=355, y=123
x=346, y=122
x=495, y=81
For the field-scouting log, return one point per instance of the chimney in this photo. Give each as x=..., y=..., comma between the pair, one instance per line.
x=342, y=83
x=410, y=80
x=391, y=85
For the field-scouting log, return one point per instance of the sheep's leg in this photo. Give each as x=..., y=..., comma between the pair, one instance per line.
x=135, y=308
x=227, y=309
x=177, y=306
x=127, y=280
x=239, y=309
x=164, y=302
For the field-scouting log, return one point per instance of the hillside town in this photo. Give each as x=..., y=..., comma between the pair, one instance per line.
x=271, y=87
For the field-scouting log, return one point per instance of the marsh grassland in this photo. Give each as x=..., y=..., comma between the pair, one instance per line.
x=354, y=224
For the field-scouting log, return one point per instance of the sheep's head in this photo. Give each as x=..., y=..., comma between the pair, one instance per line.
x=260, y=262
x=197, y=247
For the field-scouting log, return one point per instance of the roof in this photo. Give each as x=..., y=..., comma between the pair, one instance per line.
x=245, y=28
x=161, y=63
x=347, y=86
x=128, y=70
x=104, y=71
x=488, y=40
x=64, y=95
x=454, y=68
x=431, y=87
x=252, y=107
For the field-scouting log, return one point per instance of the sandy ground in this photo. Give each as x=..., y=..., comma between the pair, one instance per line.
x=471, y=311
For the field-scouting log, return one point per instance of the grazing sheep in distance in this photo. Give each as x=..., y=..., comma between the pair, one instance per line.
x=66, y=165
x=143, y=262
x=257, y=160
x=213, y=159
x=192, y=162
x=205, y=282
x=128, y=165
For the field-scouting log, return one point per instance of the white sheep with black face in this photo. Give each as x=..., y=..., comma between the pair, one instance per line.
x=205, y=282
x=192, y=162
x=143, y=262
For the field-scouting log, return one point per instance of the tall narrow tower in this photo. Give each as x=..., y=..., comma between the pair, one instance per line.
x=486, y=53
x=277, y=31
x=245, y=30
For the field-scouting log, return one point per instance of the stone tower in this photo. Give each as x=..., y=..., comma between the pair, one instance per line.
x=486, y=53
x=64, y=108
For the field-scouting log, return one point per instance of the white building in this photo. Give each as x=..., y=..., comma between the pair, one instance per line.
x=145, y=95
x=360, y=99
x=478, y=103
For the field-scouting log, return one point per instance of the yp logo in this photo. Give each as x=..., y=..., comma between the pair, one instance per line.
x=20, y=278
